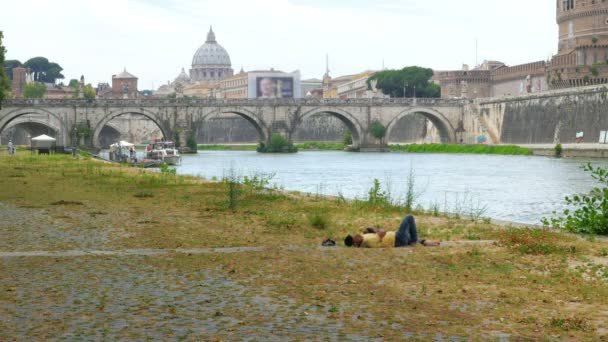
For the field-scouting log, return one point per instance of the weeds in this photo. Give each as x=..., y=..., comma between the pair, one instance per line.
x=143, y=194
x=570, y=324
x=470, y=149
x=318, y=220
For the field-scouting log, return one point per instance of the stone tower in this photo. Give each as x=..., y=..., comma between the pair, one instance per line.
x=583, y=44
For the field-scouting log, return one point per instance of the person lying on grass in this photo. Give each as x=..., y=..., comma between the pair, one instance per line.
x=407, y=235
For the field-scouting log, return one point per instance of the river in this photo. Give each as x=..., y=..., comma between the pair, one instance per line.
x=512, y=188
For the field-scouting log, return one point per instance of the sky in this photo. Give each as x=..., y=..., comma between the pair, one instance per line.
x=154, y=39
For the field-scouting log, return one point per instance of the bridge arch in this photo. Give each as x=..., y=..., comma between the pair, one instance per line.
x=53, y=121
x=260, y=126
x=443, y=125
x=348, y=119
x=109, y=117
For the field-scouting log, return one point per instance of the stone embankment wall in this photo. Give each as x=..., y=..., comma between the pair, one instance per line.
x=547, y=118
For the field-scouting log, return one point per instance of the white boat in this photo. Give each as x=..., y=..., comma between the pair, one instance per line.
x=164, y=151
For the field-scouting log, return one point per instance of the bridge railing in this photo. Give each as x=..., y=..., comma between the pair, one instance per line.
x=227, y=102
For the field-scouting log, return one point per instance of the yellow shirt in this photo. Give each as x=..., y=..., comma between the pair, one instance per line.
x=374, y=240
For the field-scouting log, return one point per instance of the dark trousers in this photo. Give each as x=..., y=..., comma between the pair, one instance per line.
x=407, y=233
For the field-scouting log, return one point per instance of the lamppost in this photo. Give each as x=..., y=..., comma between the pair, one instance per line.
x=75, y=142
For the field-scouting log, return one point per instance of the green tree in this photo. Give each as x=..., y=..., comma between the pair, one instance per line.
x=378, y=130
x=411, y=81
x=10, y=65
x=5, y=85
x=191, y=142
x=74, y=83
x=43, y=70
x=88, y=92
x=34, y=90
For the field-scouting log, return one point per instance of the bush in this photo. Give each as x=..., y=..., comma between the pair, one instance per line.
x=378, y=130
x=558, y=150
x=318, y=220
x=591, y=213
x=191, y=142
x=375, y=195
x=278, y=144
x=347, y=138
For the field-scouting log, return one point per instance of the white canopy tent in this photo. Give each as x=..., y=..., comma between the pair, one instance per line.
x=43, y=141
x=122, y=143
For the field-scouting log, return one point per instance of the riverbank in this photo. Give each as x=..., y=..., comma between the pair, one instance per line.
x=140, y=282
x=570, y=150
x=409, y=148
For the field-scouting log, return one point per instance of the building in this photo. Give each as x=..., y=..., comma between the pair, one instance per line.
x=356, y=88
x=211, y=62
x=312, y=87
x=235, y=87
x=582, y=55
x=21, y=77
x=582, y=59
x=124, y=85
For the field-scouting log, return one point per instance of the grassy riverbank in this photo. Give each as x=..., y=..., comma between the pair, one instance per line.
x=529, y=284
x=469, y=149
x=410, y=148
x=307, y=146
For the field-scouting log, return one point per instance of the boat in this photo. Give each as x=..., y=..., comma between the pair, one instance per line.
x=164, y=151
x=122, y=152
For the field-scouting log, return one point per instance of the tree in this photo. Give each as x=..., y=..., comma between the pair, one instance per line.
x=34, y=90
x=43, y=70
x=74, y=83
x=378, y=130
x=10, y=65
x=5, y=85
x=88, y=92
x=411, y=81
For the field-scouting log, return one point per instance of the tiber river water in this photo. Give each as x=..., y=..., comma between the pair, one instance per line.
x=512, y=188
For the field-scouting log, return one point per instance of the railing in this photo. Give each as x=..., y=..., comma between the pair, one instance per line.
x=229, y=102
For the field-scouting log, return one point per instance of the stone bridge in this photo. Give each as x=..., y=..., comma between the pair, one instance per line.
x=181, y=116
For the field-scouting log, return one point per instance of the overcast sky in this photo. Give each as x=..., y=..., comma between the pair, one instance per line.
x=154, y=39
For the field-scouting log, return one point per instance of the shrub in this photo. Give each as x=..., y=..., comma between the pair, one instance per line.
x=558, y=150
x=347, y=138
x=318, y=220
x=591, y=213
x=191, y=142
x=376, y=196
x=378, y=130
x=278, y=144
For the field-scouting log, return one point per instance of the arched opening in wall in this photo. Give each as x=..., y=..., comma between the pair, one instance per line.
x=321, y=127
x=328, y=126
x=227, y=128
x=136, y=128
x=420, y=126
x=20, y=126
x=21, y=133
x=230, y=127
x=109, y=135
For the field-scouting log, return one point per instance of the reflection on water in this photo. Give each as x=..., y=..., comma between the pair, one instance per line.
x=514, y=188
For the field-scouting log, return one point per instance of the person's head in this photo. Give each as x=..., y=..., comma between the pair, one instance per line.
x=267, y=87
x=353, y=241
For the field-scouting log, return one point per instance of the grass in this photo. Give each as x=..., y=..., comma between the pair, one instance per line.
x=528, y=285
x=322, y=146
x=470, y=149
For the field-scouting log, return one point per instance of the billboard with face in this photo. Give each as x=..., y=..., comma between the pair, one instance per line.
x=268, y=87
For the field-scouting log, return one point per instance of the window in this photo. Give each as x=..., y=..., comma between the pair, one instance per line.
x=568, y=5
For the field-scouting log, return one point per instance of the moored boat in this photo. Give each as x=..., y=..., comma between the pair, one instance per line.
x=164, y=151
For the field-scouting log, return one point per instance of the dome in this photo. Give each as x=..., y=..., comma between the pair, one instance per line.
x=211, y=53
x=182, y=77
